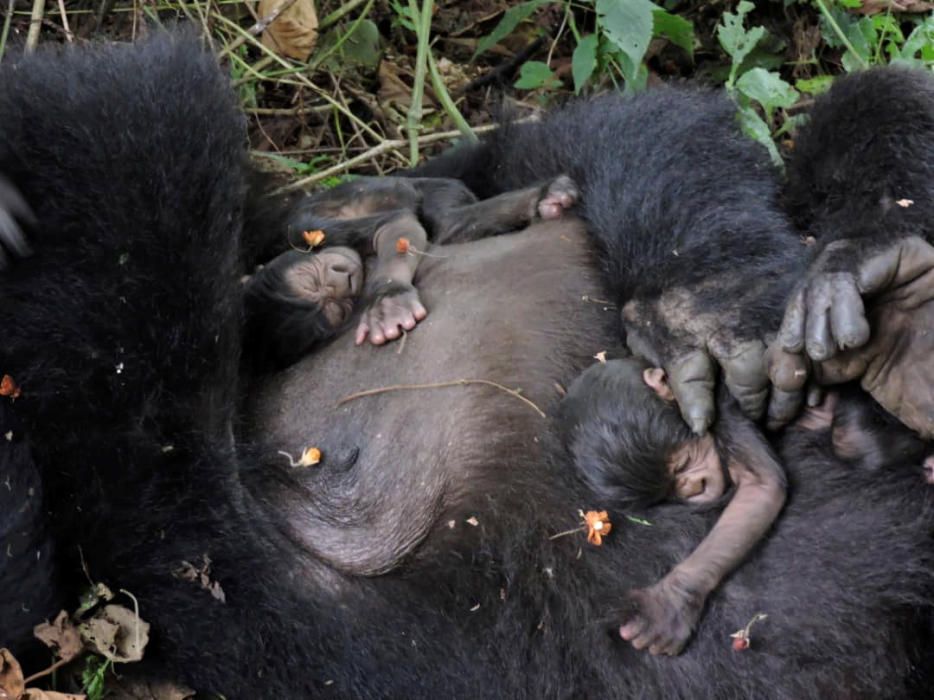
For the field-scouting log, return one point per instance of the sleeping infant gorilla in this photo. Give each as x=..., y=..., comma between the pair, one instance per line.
x=302, y=298
x=630, y=444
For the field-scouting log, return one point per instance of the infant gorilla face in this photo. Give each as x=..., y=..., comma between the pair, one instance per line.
x=333, y=279
x=696, y=471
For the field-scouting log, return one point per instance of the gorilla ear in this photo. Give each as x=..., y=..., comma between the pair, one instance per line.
x=656, y=378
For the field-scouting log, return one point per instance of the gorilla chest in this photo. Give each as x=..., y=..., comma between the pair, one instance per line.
x=511, y=320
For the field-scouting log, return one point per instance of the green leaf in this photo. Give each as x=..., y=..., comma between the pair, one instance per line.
x=851, y=4
x=735, y=39
x=677, y=30
x=752, y=125
x=361, y=48
x=584, y=61
x=628, y=25
x=535, y=74
x=920, y=41
x=815, y=86
x=768, y=89
x=510, y=20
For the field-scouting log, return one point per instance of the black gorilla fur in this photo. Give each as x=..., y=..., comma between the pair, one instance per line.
x=123, y=330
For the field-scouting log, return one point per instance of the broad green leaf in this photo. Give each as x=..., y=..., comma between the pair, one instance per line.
x=535, y=74
x=677, y=30
x=735, y=39
x=628, y=25
x=584, y=61
x=510, y=20
x=815, y=86
x=362, y=48
x=851, y=4
x=768, y=89
x=921, y=40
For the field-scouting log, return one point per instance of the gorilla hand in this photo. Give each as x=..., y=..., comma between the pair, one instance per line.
x=12, y=208
x=663, y=618
x=393, y=309
x=826, y=322
x=689, y=342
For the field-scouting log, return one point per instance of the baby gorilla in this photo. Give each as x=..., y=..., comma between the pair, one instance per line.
x=630, y=444
x=302, y=297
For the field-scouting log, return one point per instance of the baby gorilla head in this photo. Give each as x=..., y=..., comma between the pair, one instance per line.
x=298, y=300
x=629, y=442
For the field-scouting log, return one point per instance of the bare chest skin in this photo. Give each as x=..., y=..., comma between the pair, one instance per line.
x=517, y=310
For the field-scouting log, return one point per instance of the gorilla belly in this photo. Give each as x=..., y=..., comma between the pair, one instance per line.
x=517, y=312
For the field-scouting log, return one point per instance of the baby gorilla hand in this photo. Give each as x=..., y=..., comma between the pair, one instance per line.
x=663, y=618
x=558, y=195
x=394, y=308
x=13, y=212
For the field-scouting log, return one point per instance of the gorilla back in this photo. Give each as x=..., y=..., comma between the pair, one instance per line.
x=123, y=331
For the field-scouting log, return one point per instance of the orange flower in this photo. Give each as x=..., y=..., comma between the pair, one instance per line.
x=313, y=238
x=402, y=246
x=8, y=387
x=598, y=526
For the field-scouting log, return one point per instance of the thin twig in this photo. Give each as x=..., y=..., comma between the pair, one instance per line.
x=7, y=20
x=443, y=385
x=51, y=669
x=35, y=24
x=135, y=612
x=258, y=27
x=69, y=37
x=376, y=151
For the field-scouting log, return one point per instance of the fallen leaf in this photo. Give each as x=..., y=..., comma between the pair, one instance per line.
x=11, y=676
x=189, y=572
x=600, y=357
x=9, y=388
x=598, y=526
x=294, y=32
x=36, y=694
x=139, y=689
x=116, y=633
x=61, y=636
x=313, y=238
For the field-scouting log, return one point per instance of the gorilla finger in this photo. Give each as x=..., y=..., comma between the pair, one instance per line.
x=787, y=371
x=783, y=407
x=419, y=311
x=791, y=334
x=815, y=395
x=847, y=316
x=879, y=272
x=633, y=628
x=691, y=378
x=747, y=378
x=819, y=341
x=362, y=330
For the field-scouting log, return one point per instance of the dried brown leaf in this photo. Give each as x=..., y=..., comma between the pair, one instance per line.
x=11, y=677
x=294, y=32
x=116, y=633
x=61, y=635
x=36, y=694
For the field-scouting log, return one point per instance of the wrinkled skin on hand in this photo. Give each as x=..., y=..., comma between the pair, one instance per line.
x=14, y=213
x=394, y=309
x=664, y=616
x=832, y=335
x=672, y=332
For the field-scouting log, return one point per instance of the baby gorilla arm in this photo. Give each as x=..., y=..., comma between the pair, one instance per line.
x=464, y=219
x=393, y=300
x=668, y=610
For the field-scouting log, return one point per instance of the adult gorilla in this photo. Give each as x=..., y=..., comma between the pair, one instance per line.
x=416, y=559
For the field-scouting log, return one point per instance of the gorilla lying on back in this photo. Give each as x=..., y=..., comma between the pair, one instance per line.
x=416, y=559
